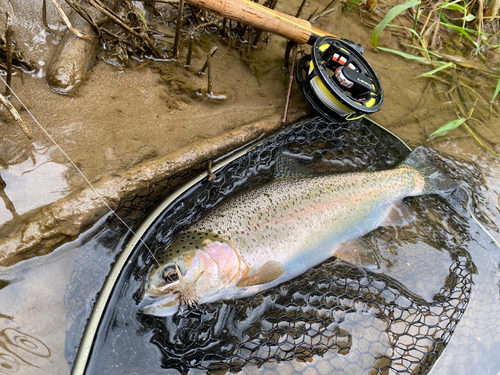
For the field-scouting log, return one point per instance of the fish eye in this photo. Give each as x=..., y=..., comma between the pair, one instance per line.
x=170, y=276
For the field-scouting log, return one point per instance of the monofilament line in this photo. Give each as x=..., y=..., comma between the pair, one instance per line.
x=78, y=169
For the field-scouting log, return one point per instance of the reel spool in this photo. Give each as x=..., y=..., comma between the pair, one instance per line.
x=337, y=81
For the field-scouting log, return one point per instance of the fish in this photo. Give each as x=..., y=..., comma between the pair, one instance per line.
x=273, y=233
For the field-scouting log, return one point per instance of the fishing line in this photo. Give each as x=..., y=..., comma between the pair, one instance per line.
x=78, y=169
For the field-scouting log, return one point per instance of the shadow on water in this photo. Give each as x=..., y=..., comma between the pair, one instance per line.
x=430, y=300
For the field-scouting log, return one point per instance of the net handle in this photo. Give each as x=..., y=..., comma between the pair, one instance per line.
x=261, y=17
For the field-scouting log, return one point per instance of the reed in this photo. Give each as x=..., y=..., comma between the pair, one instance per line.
x=456, y=39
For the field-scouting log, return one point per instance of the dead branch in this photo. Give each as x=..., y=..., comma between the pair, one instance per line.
x=16, y=116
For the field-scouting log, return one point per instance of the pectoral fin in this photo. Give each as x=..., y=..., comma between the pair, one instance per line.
x=398, y=216
x=268, y=272
x=356, y=252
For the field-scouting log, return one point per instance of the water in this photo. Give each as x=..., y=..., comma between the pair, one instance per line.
x=34, y=301
x=19, y=195
x=32, y=309
x=474, y=347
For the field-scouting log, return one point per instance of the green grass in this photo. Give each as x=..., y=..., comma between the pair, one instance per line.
x=460, y=26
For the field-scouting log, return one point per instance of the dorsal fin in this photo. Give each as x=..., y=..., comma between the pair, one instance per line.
x=268, y=272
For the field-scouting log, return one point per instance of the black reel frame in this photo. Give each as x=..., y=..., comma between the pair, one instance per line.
x=354, y=98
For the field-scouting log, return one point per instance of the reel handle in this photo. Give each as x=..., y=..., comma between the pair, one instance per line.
x=261, y=17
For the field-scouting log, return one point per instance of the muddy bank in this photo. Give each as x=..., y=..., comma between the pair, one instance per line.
x=39, y=232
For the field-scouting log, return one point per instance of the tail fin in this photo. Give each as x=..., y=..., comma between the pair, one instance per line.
x=436, y=181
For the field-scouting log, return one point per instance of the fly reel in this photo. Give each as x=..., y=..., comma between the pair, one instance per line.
x=337, y=81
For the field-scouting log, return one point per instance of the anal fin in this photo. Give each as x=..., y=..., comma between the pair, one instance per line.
x=268, y=272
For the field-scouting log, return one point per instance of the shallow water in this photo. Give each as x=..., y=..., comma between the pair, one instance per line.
x=474, y=347
x=34, y=301
x=19, y=195
x=32, y=310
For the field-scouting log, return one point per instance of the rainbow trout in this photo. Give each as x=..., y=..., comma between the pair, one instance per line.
x=275, y=232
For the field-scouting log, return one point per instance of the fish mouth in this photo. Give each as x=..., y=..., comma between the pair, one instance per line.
x=170, y=295
x=166, y=306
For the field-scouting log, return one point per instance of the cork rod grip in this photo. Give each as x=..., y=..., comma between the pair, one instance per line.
x=258, y=16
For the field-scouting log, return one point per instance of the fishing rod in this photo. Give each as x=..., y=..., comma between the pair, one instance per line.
x=335, y=79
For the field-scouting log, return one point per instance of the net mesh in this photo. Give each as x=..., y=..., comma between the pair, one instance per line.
x=395, y=315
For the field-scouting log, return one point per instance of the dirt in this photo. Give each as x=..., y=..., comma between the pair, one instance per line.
x=122, y=116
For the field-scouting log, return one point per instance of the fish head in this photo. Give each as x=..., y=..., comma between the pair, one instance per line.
x=201, y=268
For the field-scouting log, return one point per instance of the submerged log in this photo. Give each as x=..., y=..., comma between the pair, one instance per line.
x=75, y=55
x=40, y=231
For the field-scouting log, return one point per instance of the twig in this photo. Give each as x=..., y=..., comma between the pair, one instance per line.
x=120, y=39
x=65, y=18
x=16, y=116
x=44, y=20
x=312, y=20
x=193, y=12
x=312, y=14
x=290, y=84
x=178, y=29
x=108, y=12
x=190, y=51
x=223, y=31
x=286, y=58
x=8, y=203
x=211, y=174
x=300, y=8
x=86, y=16
x=258, y=34
x=209, y=55
x=8, y=52
x=209, y=74
x=328, y=6
x=206, y=24
x=208, y=66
